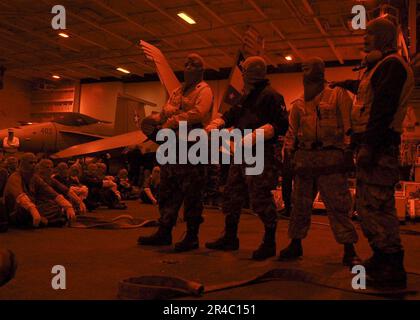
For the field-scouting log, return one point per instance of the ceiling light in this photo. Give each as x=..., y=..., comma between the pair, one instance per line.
x=288, y=58
x=64, y=35
x=56, y=77
x=123, y=70
x=186, y=18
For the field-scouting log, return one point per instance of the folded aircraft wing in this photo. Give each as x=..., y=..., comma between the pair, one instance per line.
x=164, y=70
x=106, y=144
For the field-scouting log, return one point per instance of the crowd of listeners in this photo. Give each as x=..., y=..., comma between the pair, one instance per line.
x=38, y=192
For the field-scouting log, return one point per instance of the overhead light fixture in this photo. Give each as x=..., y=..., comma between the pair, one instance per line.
x=123, y=70
x=186, y=18
x=56, y=77
x=288, y=58
x=64, y=35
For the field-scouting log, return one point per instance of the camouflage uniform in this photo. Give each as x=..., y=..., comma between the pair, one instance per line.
x=181, y=183
x=211, y=193
x=333, y=187
x=258, y=187
x=263, y=105
x=260, y=108
x=184, y=183
x=375, y=202
x=319, y=126
x=377, y=116
x=377, y=124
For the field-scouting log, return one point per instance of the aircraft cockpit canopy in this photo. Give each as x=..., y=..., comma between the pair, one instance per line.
x=75, y=119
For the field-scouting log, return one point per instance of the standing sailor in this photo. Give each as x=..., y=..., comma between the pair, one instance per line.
x=318, y=123
x=183, y=183
x=377, y=117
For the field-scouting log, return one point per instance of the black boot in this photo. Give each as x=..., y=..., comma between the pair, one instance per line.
x=373, y=264
x=286, y=211
x=228, y=242
x=267, y=248
x=162, y=237
x=293, y=251
x=386, y=270
x=190, y=241
x=350, y=257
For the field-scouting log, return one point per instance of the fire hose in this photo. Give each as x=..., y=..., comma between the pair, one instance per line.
x=164, y=287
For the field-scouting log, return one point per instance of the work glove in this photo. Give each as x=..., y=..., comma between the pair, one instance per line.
x=108, y=184
x=70, y=214
x=76, y=200
x=117, y=193
x=66, y=205
x=26, y=203
x=246, y=142
x=215, y=124
x=170, y=109
x=82, y=207
x=365, y=157
x=36, y=217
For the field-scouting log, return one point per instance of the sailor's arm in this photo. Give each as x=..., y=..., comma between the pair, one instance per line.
x=197, y=114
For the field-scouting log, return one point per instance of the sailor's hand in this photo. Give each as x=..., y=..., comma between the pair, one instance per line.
x=82, y=207
x=108, y=183
x=36, y=217
x=71, y=215
x=171, y=123
x=215, y=124
x=211, y=127
x=169, y=109
x=156, y=117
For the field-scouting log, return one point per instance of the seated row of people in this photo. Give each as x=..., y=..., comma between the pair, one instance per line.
x=33, y=193
x=30, y=201
x=102, y=188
